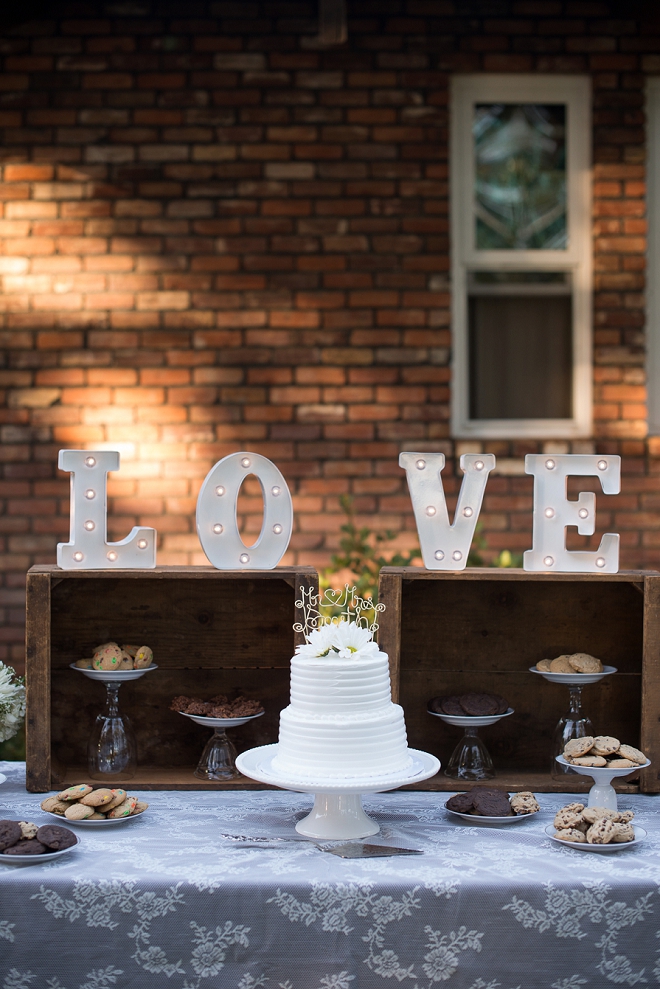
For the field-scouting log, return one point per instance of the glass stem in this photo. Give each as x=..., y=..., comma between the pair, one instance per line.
x=112, y=700
x=575, y=701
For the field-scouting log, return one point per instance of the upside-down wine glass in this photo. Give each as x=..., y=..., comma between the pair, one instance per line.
x=112, y=749
x=574, y=724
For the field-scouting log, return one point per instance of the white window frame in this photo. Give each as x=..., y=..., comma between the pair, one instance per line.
x=575, y=93
x=653, y=255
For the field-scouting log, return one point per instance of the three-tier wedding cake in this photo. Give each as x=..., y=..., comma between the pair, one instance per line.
x=341, y=722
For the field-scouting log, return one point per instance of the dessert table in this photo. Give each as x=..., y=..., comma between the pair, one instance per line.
x=167, y=900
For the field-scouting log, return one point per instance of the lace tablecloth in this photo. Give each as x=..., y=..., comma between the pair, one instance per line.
x=165, y=901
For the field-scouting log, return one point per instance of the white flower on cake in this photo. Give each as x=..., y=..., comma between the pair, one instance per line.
x=339, y=640
x=12, y=702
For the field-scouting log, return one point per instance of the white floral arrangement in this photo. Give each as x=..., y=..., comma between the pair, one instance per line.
x=12, y=702
x=345, y=635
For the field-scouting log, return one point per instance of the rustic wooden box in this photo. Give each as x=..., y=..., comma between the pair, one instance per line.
x=448, y=633
x=211, y=631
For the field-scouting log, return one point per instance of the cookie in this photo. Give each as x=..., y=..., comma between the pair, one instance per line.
x=624, y=816
x=597, y=761
x=107, y=657
x=126, y=661
x=561, y=665
x=143, y=657
x=492, y=803
x=479, y=705
x=131, y=650
x=84, y=664
x=28, y=829
x=635, y=755
x=502, y=704
x=602, y=831
x=524, y=803
x=98, y=798
x=543, y=666
x=53, y=805
x=593, y=814
x=451, y=705
x=78, y=812
x=31, y=847
x=461, y=803
x=582, y=662
x=74, y=792
x=566, y=818
x=624, y=832
x=118, y=797
x=10, y=833
x=622, y=764
x=96, y=816
x=124, y=809
x=140, y=807
x=571, y=834
x=605, y=745
x=576, y=747
x=55, y=837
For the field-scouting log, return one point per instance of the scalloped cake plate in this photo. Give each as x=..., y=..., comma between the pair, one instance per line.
x=582, y=846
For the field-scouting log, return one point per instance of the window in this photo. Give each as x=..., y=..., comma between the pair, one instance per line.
x=521, y=256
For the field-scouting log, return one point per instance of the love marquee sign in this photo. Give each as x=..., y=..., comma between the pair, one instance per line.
x=444, y=545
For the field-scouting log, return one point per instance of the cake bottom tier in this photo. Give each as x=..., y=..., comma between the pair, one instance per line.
x=342, y=748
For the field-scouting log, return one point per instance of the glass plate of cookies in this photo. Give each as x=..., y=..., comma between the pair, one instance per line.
x=41, y=844
x=492, y=805
x=583, y=846
x=87, y=807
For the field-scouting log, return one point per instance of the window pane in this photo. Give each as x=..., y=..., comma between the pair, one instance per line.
x=520, y=195
x=520, y=356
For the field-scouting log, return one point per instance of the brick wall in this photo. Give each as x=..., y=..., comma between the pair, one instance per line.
x=216, y=235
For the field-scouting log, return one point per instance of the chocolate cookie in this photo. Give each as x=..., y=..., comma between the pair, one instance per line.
x=479, y=705
x=451, y=705
x=55, y=837
x=461, y=803
x=502, y=704
x=492, y=803
x=31, y=847
x=10, y=833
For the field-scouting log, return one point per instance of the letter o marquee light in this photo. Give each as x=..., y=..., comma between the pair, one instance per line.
x=217, y=525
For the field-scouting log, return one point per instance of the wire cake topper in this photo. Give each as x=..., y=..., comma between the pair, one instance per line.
x=344, y=605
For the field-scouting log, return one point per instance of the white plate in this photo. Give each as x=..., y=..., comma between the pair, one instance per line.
x=113, y=676
x=257, y=765
x=200, y=719
x=574, y=679
x=2, y=778
x=474, y=721
x=582, y=846
x=37, y=859
x=480, y=819
x=601, y=774
x=108, y=823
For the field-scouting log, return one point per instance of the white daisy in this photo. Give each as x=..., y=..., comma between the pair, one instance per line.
x=320, y=642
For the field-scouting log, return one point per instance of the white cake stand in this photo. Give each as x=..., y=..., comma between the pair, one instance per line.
x=602, y=793
x=470, y=760
x=337, y=813
x=218, y=760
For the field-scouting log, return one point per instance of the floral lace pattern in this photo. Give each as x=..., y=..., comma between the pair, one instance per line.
x=169, y=900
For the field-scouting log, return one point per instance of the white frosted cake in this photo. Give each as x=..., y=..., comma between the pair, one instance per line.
x=341, y=721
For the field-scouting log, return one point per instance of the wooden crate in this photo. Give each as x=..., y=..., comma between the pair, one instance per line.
x=480, y=629
x=211, y=632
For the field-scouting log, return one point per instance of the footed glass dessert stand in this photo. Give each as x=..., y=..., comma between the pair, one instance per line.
x=602, y=793
x=218, y=760
x=112, y=750
x=574, y=724
x=470, y=760
x=337, y=813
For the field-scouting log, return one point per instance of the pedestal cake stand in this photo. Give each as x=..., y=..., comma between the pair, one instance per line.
x=112, y=749
x=470, y=760
x=218, y=760
x=602, y=793
x=337, y=813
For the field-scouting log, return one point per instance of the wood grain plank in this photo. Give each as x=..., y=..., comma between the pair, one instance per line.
x=37, y=670
x=650, y=701
x=389, y=633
